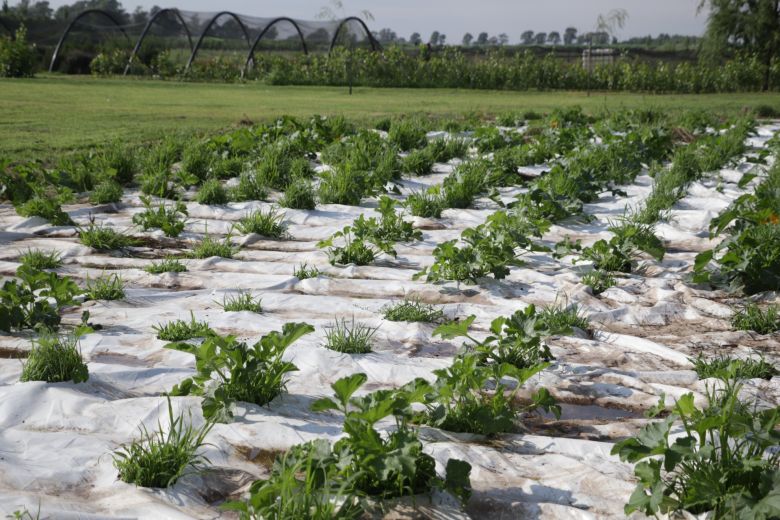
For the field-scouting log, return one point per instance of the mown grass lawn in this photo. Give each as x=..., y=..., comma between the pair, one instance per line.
x=50, y=113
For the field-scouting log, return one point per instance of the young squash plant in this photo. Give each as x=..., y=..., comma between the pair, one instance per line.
x=360, y=246
x=254, y=374
x=24, y=301
x=725, y=463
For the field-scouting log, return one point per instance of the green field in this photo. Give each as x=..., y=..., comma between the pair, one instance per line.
x=51, y=113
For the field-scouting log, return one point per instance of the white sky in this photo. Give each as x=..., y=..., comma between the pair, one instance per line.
x=455, y=17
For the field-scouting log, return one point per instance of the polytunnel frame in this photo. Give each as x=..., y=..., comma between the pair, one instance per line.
x=205, y=31
x=78, y=17
x=148, y=26
x=251, y=55
x=375, y=46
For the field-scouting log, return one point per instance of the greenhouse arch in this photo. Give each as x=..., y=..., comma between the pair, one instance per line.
x=78, y=17
x=374, y=44
x=208, y=27
x=251, y=55
x=148, y=26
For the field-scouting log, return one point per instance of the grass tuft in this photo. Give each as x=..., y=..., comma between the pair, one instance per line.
x=349, y=338
x=158, y=459
x=303, y=271
x=725, y=368
x=244, y=301
x=37, y=259
x=106, y=287
x=55, y=359
x=266, y=223
x=424, y=204
x=752, y=317
x=98, y=236
x=167, y=265
x=413, y=310
x=181, y=330
x=209, y=247
x=105, y=192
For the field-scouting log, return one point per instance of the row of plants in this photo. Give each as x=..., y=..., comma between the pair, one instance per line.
x=451, y=68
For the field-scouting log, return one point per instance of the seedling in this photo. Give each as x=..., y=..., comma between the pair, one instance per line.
x=303, y=271
x=598, y=281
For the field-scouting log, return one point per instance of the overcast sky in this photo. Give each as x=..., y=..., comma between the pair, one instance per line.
x=455, y=17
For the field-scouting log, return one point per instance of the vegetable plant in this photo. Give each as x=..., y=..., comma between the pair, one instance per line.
x=229, y=370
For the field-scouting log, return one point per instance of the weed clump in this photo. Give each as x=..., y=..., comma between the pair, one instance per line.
x=106, y=287
x=349, y=338
x=413, y=311
x=181, y=330
x=55, y=359
x=752, y=317
x=266, y=223
x=244, y=301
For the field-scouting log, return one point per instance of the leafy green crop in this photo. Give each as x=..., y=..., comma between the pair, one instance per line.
x=24, y=303
x=255, y=374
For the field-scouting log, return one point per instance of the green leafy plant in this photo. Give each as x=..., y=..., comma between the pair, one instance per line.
x=413, y=310
x=349, y=338
x=752, y=317
x=105, y=287
x=360, y=244
x=255, y=374
x=181, y=330
x=167, y=265
x=407, y=134
x=249, y=187
x=170, y=219
x=266, y=223
x=25, y=304
x=243, y=301
x=419, y=162
x=45, y=207
x=36, y=259
x=724, y=367
x=619, y=254
x=391, y=226
x=55, y=359
x=723, y=463
x=388, y=465
x=159, y=458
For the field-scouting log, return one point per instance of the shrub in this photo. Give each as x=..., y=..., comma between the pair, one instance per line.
x=158, y=459
x=98, y=236
x=106, y=287
x=266, y=223
x=36, y=259
x=354, y=338
x=244, y=301
x=723, y=462
x=181, y=330
x=255, y=374
x=725, y=367
x=752, y=317
x=413, y=310
x=105, y=192
x=167, y=265
x=170, y=219
x=299, y=195
x=55, y=359
x=17, y=57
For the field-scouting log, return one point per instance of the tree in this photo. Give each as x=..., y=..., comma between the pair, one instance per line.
x=503, y=39
x=442, y=39
x=482, y=38
x=554, y=38
x=415, y=39
x=569, y=35
x=467, y=39
x=434, y=39
x=386, y=36
x=749, y=25
x=540, y=38
x=527, y=37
